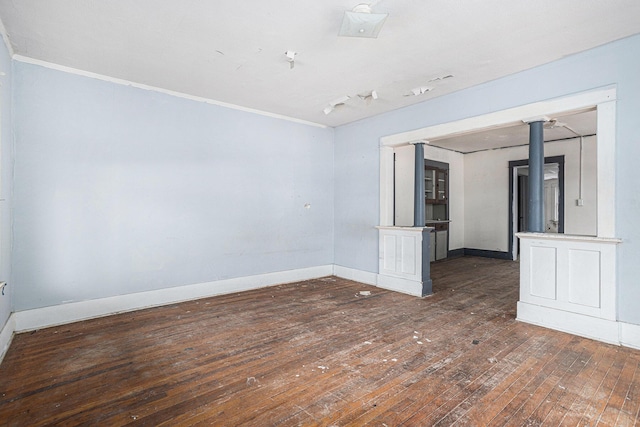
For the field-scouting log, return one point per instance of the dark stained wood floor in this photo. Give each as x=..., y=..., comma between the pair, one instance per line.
x=320, y=353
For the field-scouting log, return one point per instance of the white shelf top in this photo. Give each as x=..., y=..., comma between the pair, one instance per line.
x=568, y=237
x=393, y=227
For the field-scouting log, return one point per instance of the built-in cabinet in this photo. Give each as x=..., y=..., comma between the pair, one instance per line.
x=436, y=185
x=439, y=243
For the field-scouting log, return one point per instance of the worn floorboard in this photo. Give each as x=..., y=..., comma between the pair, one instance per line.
x=319, y=353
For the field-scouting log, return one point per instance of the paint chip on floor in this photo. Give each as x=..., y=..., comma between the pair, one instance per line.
x=365, y=293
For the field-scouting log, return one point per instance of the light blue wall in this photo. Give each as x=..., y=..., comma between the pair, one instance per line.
x=357, y=151
x=6, y=182
x=121, y=190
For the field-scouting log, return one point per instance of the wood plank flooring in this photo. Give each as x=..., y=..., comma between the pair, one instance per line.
x=319, y=353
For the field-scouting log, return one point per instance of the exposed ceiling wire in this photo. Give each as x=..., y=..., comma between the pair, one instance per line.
x=556, y=124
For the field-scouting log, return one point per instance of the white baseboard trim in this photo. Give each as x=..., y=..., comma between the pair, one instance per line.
x=619, y=333
x=396, y=284
x=573, y=323
x=72, y=312
x=356, y=275
x=6, y=336
x=630, y=335
x=399, y=284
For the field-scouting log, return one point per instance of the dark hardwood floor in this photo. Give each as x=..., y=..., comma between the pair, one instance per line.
x=321, y=353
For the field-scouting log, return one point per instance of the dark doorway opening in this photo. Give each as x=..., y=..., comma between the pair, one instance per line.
x=518, y=198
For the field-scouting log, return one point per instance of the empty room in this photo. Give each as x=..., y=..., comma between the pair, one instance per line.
x=329, y=213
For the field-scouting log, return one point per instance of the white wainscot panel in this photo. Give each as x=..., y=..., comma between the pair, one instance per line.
x=388, y=255
x=569, y=277
x=585, y=278
x=401, y=252
x=410, y=251
x=543, y=280
x=401, y=260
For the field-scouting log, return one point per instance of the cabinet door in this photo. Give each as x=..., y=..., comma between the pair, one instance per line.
x=432, y=246
x=441, y=244
x=441, y=176
x=430, y=184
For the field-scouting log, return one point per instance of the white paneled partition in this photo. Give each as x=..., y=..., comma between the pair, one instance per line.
x=401, y=266
x=569, y=283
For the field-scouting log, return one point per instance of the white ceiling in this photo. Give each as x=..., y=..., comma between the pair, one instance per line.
x=562, y=127
x=233, y=51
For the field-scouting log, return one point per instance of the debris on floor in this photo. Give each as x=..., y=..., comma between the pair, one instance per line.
x=365, y=293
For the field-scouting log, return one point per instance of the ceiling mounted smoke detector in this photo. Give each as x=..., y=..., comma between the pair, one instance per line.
x=361, y=22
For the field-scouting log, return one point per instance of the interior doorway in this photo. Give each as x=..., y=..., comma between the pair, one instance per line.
x=519, y=198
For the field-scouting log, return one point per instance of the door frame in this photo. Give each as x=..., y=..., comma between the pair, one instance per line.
x=513, y=198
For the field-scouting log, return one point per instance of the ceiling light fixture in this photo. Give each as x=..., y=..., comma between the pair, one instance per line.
x=554, y=123
x=419, y=90
x=369, y=96
x=435, y=79
x=291, y=57
x=360, y=22
x=336, y=103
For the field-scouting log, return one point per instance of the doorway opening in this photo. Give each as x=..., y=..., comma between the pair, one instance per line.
x=519, y=198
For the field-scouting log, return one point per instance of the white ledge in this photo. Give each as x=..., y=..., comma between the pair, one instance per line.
x=393, y=227
x=569, y=238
